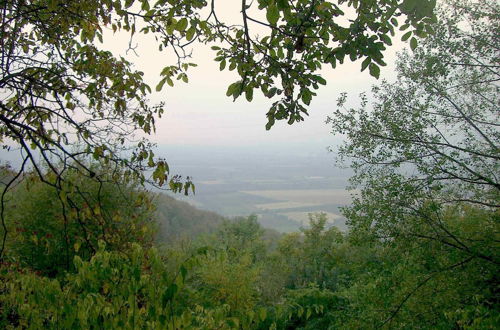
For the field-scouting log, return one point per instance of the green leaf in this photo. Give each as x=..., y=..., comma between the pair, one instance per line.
x=249, y=94
x=182, y=24
x=169, y=81
x=262, y=313
x=386, y=39
x=300, y=311
x=320, y=80
x=160, y=84
x=374, y=70
x=421, y=33
x=365, y=63
x=233, y=89
x=413, y=43
x=270, y=122
x=273, y=14
x=183, y=272
x=190, y=33
x=306, y=96
x=409, y=5
x=282, y=4
x=272, y=92
x=406, y=36
x=234, y=323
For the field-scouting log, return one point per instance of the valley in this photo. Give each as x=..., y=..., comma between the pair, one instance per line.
x=280, y=187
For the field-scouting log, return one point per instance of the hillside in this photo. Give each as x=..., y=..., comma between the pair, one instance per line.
x=178, y=219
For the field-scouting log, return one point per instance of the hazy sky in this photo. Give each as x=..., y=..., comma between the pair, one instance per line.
x=199, y=113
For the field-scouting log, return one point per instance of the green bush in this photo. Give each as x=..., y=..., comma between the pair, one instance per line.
x=47, y=227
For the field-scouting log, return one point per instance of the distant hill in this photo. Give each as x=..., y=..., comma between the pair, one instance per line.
x=179, y=219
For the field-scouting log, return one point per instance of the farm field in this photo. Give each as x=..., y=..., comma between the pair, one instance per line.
x=285, y=210
x=303, y=217
x=280, y=187
x=285, y=205
x=303, y=197
x=295, y=205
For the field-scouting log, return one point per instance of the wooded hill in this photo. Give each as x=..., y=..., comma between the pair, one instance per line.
x=177, y=219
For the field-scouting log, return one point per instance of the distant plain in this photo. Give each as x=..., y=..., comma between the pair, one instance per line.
x=262, y=182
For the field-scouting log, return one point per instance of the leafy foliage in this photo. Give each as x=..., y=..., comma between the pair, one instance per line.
x=426, y=162
x=112, y=290
x=309, y=258
x=304, y=35
x=61, y=88
x=436, y=128
x=46, y=238
x=179, y=220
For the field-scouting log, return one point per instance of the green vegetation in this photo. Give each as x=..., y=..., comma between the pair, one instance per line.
x=422, y=249
x=179, y=220
x=46, y=237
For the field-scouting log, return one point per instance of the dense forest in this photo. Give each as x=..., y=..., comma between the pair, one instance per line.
x=86, y=243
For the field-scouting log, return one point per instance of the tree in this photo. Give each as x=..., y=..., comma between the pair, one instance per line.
x=46, y=238
x=440, y=119
x=309, y=258
x=426, y=154
x=242, y=235
x=432, y=138
x=64, y=98
x=60, y=89
x=406, y=282
x=112, y=290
